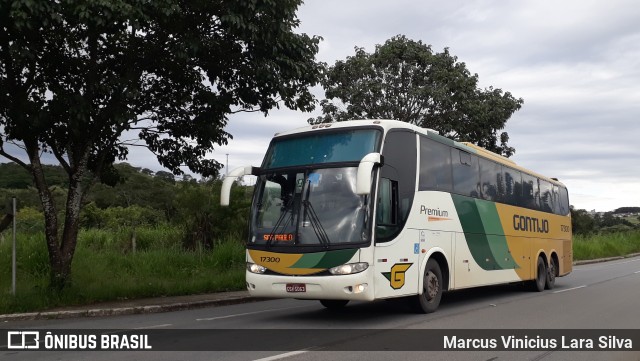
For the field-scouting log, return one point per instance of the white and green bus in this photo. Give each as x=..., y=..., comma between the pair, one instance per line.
x=376, y=209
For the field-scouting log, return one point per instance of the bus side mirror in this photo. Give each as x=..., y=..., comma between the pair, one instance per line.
x=225, y=192
x=364, y=179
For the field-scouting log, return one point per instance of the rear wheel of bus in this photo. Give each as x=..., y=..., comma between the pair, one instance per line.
x=540, y=281
x=552, y=271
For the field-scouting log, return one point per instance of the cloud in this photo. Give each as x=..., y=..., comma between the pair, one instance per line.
x=575, y=63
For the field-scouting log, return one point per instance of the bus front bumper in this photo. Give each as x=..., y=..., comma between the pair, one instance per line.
x=358, y=287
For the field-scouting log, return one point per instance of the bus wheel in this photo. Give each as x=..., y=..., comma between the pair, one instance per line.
x=551, y=274
x=540, y=281
x=429, y=300
x=334, y=304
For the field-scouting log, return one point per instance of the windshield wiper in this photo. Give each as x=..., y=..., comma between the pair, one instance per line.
x=285, y=212
x=315, y=221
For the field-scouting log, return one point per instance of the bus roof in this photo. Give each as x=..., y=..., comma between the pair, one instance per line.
x=388, y=124
x=383, y=123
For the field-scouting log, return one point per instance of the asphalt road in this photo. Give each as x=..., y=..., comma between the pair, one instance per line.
x=595, y=296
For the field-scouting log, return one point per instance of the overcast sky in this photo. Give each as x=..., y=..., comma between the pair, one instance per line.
x=576, y=64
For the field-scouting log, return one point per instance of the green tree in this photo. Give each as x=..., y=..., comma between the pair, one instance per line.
x=75, y=75
x=13, y=176
x=405, y=80
x=136, y=187
x=582, y=222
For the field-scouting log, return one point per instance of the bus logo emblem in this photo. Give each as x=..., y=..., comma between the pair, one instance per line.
x=397, y=275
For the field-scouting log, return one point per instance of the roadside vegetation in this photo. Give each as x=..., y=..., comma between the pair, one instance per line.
x=148, y=236
x=605, y=234
x=603, y=245
x=152, y=235
x=107, y=269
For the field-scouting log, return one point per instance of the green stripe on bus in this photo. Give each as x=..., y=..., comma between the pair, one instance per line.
x=336, y=258
x=325, y=260
x=308, y=260
x=495, y=234
x=483, y=233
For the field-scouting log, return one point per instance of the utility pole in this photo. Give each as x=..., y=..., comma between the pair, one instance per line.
x=13, y=253
x=227, y=168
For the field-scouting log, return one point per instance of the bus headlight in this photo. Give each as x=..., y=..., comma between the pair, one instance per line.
x=349, y=268
x=255, y=268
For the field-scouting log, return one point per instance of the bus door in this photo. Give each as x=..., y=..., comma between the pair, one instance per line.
x=397, y=247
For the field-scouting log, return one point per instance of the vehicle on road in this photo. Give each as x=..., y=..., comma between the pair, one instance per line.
x=377, y=209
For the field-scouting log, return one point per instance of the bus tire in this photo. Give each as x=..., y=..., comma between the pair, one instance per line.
x=334, y=304
x=538, y=283
x=429, y=300
x=552, y=270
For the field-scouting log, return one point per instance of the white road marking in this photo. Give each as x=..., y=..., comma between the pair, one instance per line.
x=636, y=272
x=247, y=313
x=283, y=355
x=137, y=328
x=607, y=264
x=154, y=326
x=570, y=289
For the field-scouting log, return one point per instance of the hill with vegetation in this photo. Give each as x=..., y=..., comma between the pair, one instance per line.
x=141, y=197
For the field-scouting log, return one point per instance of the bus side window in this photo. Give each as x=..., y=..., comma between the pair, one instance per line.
x=466, y=178
x=546, y=197
x=556, y=200
x=529, y=192
x=435, y=166
x=492, y=181
x=564, y=201
x=512, y=186
x=387, y=209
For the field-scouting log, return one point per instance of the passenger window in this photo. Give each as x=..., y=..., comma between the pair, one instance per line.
x=435, y=166
x=530, y=193
x=512, y=186
x=546, y=196
x=466, y=178
x=564, y=201
x=491, y=180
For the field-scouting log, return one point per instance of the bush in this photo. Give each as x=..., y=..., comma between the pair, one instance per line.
x=29, y=220
x=121, y=240
x=119, y=217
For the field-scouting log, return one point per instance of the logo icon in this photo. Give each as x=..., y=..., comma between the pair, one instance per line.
x=23, y=340
x=396, y=277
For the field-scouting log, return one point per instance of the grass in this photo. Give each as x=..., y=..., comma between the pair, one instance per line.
x=105, y=267
x=605, y=245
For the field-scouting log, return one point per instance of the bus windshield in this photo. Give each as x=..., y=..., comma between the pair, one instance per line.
x=322, y=148
x=317, y=207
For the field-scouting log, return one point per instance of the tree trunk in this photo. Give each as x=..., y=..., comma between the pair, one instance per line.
x=61, y=247
x=57, y=270
x=5, y=222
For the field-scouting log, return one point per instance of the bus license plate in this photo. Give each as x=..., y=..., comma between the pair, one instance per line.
x=296, y=287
